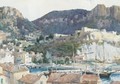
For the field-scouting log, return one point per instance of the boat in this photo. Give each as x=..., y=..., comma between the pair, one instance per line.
x=115, y=76
x=105, y=74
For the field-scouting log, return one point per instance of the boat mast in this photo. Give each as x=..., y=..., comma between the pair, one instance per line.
x=73, y=55
x=103, y=52
x=96, y=52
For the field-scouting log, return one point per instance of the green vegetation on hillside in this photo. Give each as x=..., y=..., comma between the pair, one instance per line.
x=55, y=47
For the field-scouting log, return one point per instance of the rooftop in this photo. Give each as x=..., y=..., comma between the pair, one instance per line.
x=13, y=68
x=64, y=78
x=54, y=76
x=69, y=78
x=30, y=78
x=91, y=78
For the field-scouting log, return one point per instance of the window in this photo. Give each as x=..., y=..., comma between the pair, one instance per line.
x=41, y=82
x=1, y=81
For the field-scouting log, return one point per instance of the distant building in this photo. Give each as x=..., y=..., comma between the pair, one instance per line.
x=100, y=35
x=38, y=56
x=14, y=54
x=22, y=57
x=59, y=35
x=86, y=29
x=6, y=56
x=79, y=58
x=3, y=36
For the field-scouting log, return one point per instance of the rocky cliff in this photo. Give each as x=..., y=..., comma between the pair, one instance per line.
x=104, y=17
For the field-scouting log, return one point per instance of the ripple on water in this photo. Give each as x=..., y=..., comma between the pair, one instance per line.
x=105, y=80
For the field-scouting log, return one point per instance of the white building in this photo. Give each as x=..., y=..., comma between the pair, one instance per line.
x=59, y=35
x=100, y=52
x=100, y=35
x=6, y=56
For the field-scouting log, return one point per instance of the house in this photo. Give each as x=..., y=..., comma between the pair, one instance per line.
x=21, y=57
x=14, y=54
x=60, y=35
x=90, y=79
x=64, y=78
x=86, y=29
x=79, y=58
x=33, y=79
x=3, y=79
x=13, y=72
x=38, y=56
x=6, y=56
x=32, y=55
x=3, y=36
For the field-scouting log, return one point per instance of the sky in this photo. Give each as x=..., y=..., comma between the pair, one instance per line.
x=33, y=9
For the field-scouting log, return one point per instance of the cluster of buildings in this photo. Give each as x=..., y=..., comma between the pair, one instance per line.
x=73, y=78
x=16, y=74
x=13, y=72
x=15, y=54
x=105, y=52
x=100, y=35
x=12, y=57
x=103, y=46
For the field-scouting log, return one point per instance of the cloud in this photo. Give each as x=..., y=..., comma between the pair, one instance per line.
x=33, y=9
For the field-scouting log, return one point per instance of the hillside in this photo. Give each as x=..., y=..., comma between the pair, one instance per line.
x=68, y=21
x=12, y=21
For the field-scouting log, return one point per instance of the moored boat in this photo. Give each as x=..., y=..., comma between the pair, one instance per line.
x=115, y=77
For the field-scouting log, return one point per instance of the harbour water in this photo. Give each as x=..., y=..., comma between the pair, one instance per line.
x=42, y=69
x=105, y=80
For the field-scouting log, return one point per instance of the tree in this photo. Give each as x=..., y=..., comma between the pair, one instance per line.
x=35, y=60
x=47, y=38
x=40, y=61
x=51, y=36
x=78, y=33
x=45, y=60
x=67, y=48
x=67, y=60
x=41, y=38
x=37, y=40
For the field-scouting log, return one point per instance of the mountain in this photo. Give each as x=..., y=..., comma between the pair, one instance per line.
x=62, y=21
x=104, y=17
x=68, y=21
x=12, y=21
